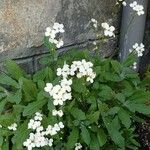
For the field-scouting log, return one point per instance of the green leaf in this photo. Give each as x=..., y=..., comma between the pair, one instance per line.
x=79, y=85
x=124, y=117
x=94, y=145
x=15, y=98
x=2, y=105
x=141, y=108
x=5, y=145
x=33, y=107
x=113, y=77
x=113, y=129
x=130, y=60
x=1, y=141
x=105, y=93
x=50, y=104
x=78, y=114
x=102, y=138
x=21, y=135
x=73, y=138
x=14, y=70
x=85, y=135
x=140, y=96
x=39, y=75
x=113, y=111
x=93, y=117
x=116, y=66
x=29, y=88
x=6, y=80
x=6, y=120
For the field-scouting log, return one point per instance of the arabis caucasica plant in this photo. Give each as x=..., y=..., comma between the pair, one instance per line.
x=77, y=101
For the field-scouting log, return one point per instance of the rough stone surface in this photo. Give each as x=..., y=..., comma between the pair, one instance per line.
x=23, y=22
x=145, y=61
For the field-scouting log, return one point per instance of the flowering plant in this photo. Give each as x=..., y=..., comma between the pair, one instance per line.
x=77, y=101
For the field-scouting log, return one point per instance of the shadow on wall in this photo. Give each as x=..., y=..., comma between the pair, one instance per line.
x=145, y=60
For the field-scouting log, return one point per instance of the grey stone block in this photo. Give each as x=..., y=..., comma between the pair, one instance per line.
x=22, y=23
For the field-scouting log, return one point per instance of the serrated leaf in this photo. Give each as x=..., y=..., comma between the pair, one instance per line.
x=124, y=117
x=130, y=60
x=85, y=135
x=73, y=138
x=113, y=127
x=33, y=107
x=6, y=80
x=1, y=141
x=94, y=145
x=94, y=117
x=21, y=135
x=78, y=114
x=102, y=138
x=141, y=108
x=2, y=105
x=50, y=105
x=6, y=120
x=79, y=85
x=15, y=98
x=29, y=88
x=14, y=70
x=113, y=111
x=140, y=96
x=116, y=66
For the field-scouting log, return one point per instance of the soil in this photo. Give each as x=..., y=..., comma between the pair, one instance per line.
x=143, y=131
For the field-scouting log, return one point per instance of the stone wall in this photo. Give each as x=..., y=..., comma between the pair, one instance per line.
x=145, y=61
x=22, y=25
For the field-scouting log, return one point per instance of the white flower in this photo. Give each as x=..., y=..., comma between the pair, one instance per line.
x=48, y=87
x=60, y=43
x=78, y=146
x=39, y=129
x=61, y=125
x=1, y=126
x=13, y=127
x=135, y=65
x=50, y=142
x=54, y=112
x=48, y=31
x=59, y=113
x=139, y=9
x=58, y=27
x=139, y=49
x=38, y=116
x=53, y=32
x=33, y=124
x=124, y=3
x=95, y=23
x=108, y=30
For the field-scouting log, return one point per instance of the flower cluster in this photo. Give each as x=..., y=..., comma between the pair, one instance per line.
x=138, y=8
x=53, y=32
x=139, y=49
x=78, y=146
x=135, y=65
x=39, y=137
x=13, y=127
x=95, y=23
x=83, y=69
x=59, y=113
x=124, y=3
x=108, y=30
x=60, y=93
